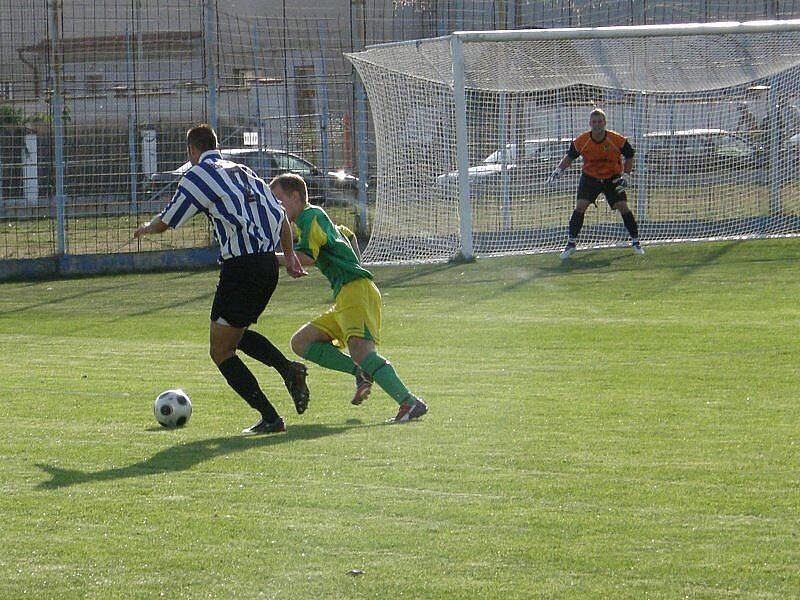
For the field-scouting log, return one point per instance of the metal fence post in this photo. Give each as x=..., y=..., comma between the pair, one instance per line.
x=511, y=14
x=57, y=105
x=211, y=61
x=360, y=124
x=771, y=9
x=322, y=77
x=260, y=159
x=638, y=13
x=132, y=154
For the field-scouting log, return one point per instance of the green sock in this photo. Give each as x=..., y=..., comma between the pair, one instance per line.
x=325, y=355
x=385, y=376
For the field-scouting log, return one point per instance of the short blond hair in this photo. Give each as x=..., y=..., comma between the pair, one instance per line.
x=291, y=182
x=600, y=112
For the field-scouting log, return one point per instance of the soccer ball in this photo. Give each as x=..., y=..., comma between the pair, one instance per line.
x=173, y=408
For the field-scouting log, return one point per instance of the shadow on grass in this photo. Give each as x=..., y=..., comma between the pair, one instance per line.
x=81, y=294
x=184, y=456
x=679, y=268
x=589, y=261
x=687, y=269
x=557, y=269
x=76, y=295
x=414, y=273
x=205, y=295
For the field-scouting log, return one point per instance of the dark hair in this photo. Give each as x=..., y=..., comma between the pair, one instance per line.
x=202, y=137
x=291, y=182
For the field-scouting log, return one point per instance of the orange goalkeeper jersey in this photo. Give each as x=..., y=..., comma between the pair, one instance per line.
x=602, y=160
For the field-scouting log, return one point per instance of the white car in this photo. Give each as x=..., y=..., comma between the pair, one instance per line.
x=504, y=166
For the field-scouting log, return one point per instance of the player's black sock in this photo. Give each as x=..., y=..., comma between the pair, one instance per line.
x=257, y=346
x=244, y=383
x=575, y=224
x=630, y=224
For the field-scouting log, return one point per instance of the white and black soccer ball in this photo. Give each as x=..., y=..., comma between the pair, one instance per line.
x=173, y=408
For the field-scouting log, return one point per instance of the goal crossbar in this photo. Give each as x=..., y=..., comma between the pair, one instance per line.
x=630, y=31
x=617, y=31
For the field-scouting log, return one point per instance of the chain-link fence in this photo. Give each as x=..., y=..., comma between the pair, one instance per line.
x=95, y=99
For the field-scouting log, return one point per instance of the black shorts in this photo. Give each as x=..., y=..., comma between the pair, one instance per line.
x=246, y=284
x=589, y=188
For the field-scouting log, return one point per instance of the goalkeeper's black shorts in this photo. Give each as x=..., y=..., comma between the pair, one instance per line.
x=589, y=188
x=246, y=284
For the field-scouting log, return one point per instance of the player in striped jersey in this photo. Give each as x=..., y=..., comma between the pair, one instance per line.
x=249, y=224
x=607, y=159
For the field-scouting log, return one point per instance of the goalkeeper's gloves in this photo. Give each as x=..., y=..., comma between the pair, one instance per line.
x=555, y=175
x=620, y=182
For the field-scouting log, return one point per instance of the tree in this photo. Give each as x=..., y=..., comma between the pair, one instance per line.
x=14, y=124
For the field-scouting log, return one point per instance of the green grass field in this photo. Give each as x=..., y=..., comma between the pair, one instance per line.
x=620, y=426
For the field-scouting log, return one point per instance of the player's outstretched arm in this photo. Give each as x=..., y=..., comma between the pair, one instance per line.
x=154, y=226
x=562, y=166
x=304, y=259
x=289, y=258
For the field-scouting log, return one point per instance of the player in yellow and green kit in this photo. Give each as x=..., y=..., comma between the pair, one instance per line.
x=354, y=320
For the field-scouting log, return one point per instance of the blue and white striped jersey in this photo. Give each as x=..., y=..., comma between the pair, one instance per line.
x=246, y=215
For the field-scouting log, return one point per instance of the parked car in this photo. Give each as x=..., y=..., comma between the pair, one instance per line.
x=506, y=166
x=331, y=188
x=701, y=153
x=705, y=154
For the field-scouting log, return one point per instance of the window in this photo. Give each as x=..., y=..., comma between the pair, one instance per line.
x=68, y=83
x=262, y=163
x=244, y=77
x=509, y=154
x=94, y=82
x=306, y=90
x=6, y=90
x=250, y=138
x=282, y=161
x=299, y=166
x=733, y=147
x=698, y=146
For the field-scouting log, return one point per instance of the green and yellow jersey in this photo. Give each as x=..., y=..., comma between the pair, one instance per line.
x=320, y=239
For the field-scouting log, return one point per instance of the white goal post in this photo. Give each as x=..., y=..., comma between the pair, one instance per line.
x=469, y=126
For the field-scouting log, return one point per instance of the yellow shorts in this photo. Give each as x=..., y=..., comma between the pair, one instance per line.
x=355, y=313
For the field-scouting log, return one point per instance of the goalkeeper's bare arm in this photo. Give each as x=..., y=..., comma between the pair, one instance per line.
x=562, y=166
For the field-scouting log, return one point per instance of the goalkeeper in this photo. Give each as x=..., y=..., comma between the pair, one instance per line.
x=354, y=320
x=607, y=162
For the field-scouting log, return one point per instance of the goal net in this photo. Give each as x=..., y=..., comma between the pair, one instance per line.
x=712, y=111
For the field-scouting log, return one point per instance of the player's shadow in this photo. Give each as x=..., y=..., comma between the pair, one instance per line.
x=184, y=456
x=588, y=262
x=591, y=260
x=683, y=269
x=81, y=294
x=403, y=276
x=146, y=312
x=60, y=299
